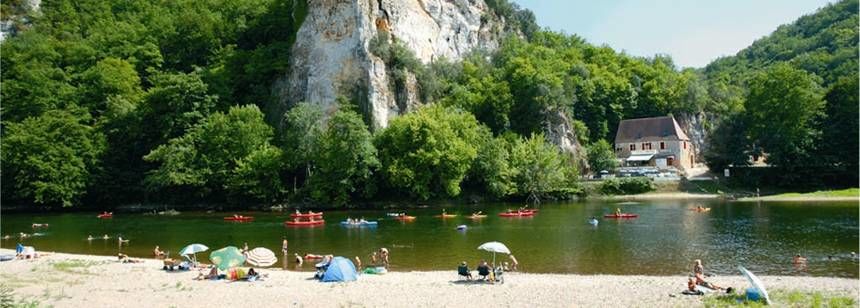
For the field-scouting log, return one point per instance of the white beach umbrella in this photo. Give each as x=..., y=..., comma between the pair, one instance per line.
x=193, y=249
x=756, y=283
x=494, y=247
x=260, y=257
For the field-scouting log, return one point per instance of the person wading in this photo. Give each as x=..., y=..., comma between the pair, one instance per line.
x=284, y=249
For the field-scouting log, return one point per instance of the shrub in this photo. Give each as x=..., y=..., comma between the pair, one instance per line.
x=627, y=186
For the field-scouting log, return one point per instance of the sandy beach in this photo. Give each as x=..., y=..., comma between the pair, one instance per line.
x=661, y=196
x=66, y=280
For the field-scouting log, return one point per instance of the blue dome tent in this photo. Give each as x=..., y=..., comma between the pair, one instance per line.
x=340, y=269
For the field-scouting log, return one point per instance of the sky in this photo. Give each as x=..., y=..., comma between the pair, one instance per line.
x=692, y=32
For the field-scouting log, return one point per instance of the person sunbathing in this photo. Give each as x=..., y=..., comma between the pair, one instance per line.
x=691, y=288
x=699, y=273
x=125, y=259
x=213, y=274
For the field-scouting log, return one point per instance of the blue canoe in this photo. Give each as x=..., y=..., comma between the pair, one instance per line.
x=358, y=224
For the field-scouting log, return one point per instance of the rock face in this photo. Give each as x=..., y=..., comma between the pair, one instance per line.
x=10, y=25
x=694, y=126
x=331, y=55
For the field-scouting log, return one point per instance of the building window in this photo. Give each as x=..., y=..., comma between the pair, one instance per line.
x=685, y=145
x=619, y=149
x=662, y=145
x=633, y=147
x=646, y=146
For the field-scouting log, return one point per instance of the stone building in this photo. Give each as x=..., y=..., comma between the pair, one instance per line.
x=659, y=142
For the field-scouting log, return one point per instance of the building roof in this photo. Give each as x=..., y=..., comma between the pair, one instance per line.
x=656, y=128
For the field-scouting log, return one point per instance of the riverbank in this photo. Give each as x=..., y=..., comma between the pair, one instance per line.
x=67, y=280
x=850, y=194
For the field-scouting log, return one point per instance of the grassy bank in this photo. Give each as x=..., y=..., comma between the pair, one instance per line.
x=849, y=192
x=785, y=299
x=718, y=188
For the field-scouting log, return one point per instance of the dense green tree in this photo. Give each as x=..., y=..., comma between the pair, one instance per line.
x=32, y=80
x=110, y=87
x=49, y=159
x=492, y=168
x=839, y=142
x=174, y=104
x=428, y=153
x=783, y=103
x=541, y=168
x=601, y=156
x=729, y=144
x=221, y=148
x=346, y=160
x=258, y=175
x=487, y=97
x=304, y=126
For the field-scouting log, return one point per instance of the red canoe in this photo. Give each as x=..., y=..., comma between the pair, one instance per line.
x=105, y=215
x=517, y=214
x=308, y=215
x=304, y=223
x=620, y=215
x=240, y=218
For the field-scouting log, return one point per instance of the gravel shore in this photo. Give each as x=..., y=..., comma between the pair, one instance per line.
x=67, y=280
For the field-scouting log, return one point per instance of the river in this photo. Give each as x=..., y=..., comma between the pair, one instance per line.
x=664, y=240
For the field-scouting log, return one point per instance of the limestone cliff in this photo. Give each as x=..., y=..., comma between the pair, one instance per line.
x=694, y=126
x=331, y=55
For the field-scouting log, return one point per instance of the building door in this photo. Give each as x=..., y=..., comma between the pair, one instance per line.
x=670, y=160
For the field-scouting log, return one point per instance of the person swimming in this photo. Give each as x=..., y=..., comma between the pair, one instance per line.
x=105, y=237
x=90, y=237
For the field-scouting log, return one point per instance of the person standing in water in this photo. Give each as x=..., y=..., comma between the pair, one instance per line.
x=284, y=250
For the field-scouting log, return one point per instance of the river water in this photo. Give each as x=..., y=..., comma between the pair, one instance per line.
x=663, y=241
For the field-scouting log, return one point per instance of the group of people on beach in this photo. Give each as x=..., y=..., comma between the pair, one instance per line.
x=487, y=272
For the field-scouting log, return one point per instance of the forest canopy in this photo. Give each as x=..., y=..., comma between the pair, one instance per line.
x=112, y=102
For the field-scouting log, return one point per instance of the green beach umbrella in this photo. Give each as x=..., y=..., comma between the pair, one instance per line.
x=227, y=257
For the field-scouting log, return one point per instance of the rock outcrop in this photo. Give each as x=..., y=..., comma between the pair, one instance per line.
x=332, y=56
x=694, y=126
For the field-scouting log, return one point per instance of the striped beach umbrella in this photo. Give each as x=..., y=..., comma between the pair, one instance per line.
x=261, y=257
